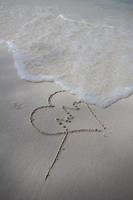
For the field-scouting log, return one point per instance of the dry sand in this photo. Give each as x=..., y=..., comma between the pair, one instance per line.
x=90, y=166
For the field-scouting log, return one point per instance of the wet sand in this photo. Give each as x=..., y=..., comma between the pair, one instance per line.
x=95, y=161
x=92, y=164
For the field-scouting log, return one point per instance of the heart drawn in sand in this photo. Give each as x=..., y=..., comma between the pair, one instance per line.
x=65, y=113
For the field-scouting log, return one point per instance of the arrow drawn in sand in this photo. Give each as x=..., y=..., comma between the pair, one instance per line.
x=64, y=117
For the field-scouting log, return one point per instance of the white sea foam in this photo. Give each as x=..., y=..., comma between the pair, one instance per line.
x=19, y=59
x=93, y=61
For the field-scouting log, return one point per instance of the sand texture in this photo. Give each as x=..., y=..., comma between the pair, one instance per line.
x=95, y=161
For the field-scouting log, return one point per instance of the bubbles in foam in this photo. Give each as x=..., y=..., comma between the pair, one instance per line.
x=92, y=60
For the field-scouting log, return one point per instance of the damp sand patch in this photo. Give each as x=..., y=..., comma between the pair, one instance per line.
x=65, y=115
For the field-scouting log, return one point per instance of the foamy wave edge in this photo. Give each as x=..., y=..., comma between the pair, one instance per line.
x=103, y=102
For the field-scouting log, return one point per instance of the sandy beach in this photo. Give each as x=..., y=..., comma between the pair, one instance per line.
x=52, y=145
x=91, y=165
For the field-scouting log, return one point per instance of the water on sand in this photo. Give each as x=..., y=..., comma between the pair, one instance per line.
x=91, y=59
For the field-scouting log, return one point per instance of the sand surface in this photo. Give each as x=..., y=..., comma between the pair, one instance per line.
x=92, y=165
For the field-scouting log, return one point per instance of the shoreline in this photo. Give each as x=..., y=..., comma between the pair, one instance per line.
x=90, y=165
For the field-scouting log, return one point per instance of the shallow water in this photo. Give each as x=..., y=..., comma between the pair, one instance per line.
x=86, y=47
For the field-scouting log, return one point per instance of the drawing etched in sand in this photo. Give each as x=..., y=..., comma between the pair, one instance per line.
x=64, y=114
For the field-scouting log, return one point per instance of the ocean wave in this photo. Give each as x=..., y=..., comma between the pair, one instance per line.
x=93, y=61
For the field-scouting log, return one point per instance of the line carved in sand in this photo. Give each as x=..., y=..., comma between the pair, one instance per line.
x=64, y=122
